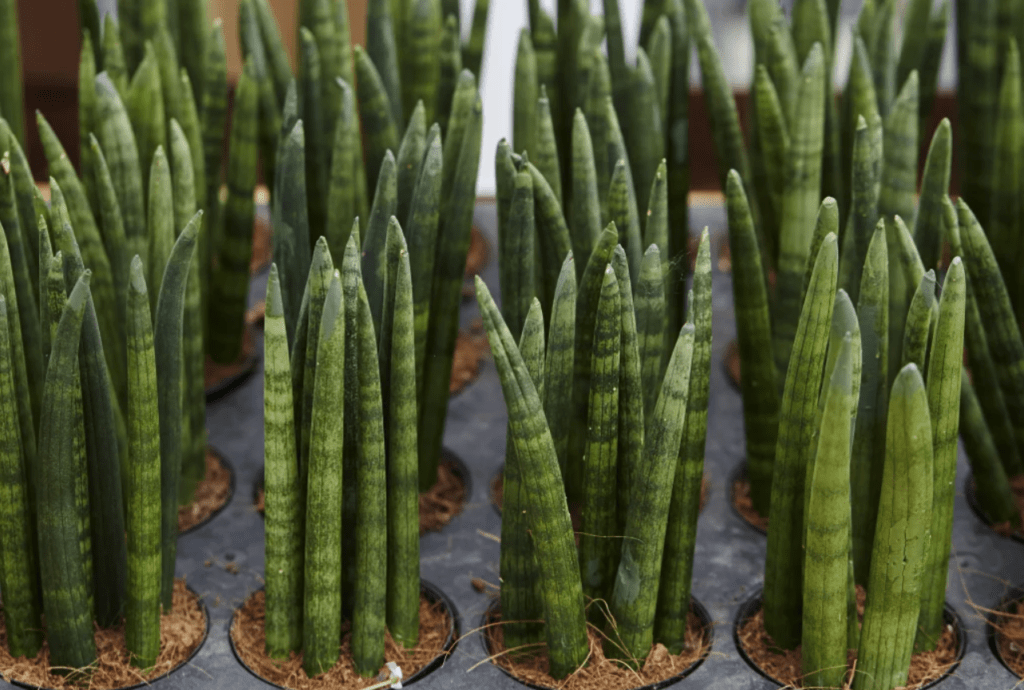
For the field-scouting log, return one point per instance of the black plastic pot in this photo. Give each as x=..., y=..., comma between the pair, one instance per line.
x=433, y=595
x=707, y=635
x=754, y=603
x=161, y=679
x=971, y=494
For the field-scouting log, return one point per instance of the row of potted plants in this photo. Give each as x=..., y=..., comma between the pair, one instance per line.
x=852, y=373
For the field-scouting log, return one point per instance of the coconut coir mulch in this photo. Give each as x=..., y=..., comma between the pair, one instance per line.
x=249, y=637
x=478, y=255
x=600, y=672
x=442, y=502
x=211, y=494
x=181, y=632
x=1009, y=627
x=744, y=504
x=785, y=667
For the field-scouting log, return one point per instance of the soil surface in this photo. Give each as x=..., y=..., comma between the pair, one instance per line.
x=1010, y=630
x=211, y=494
x=600, y=673
x=181, y=632
x=249, y=637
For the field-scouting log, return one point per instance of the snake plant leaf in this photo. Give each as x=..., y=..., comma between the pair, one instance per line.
x=112, y=226
x=995, y=422
x=194, y=31
x=103, y=425
x=753, y=324
x=826, y=222
x=585, y=217
x=677, y=131
x=520, y=597
x=368, y=614
x=410, y=158
x=860, y=100
x=379, y=127
x=311, y=113
x=113, y=55
x=773, y=137
x=991, y=483
x=657, y=231
x=254, y=53
x=118, y=143
x=929, y=228
x=869, y=434
x=146, y=110
x=558, y=363
x=864, y=207
x=516, y=266
x=1004, y=225
x=214, y=114
x=420, y=66
x=796, y=446
x=473, y=51
x=385, y=203
x=586, y=310
x=726, y=134
x=86, y=107
x=422, y=232
x=558, y=568
x=880, y=38
x=318, y=16
x=230, y=283
x=382, y=51
x=545, y=156
x=622, y=209
x=525, y=93
x=160, y=221
x=188, y=119
x=901, y=538
x=18, y=574
x=545, y=48
x=945, y=364
x=284, y=513
x=457, y=199
x=351, y=284
x=167, y=333
x=650, y=324
x=322, y=591
x=1001, y=328
x=899, y=170
x=598, y=557
x=645, y=133
x=681, y=536
x=91, y=245
x=978, y=99
x=631, y=394
x=23, y=314
x=919, y=322
x=828, y=532
x=800, y=202
x=345, y=200
x=276, y=56
x=634, y=597
x=11, y=97
x=931, y=62
x=24, y=188
x=45, y=266
x=291, y=224
x=65, y=552
x=451, y=68
x=597, y=98
x=554, y=238
x=659, y=55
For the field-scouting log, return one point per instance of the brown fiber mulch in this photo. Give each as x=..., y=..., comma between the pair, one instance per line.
x=600, y=673
x=744, y=504
x=1009, y=627
x=732, y=361
x=444, y=500
x=479, y=253
x=785, y=667
x=211, y=494
x=249, y=637
x=471, y=348
x=181, y=632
